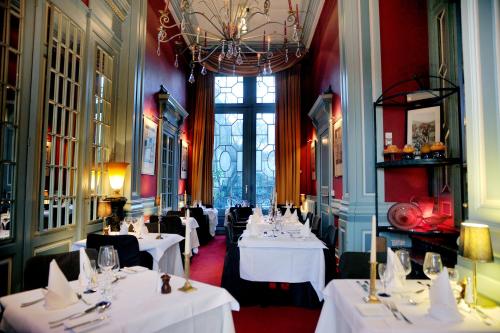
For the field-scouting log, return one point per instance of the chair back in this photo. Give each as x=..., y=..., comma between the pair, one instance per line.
x=36, y=272
x=173, y=225
x=243, y=213
x=126, y=245
x=174, y=213
x=356, y=265
x=315, y=222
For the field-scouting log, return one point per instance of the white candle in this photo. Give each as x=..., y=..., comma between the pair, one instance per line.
x=187, y=240
x=373, y=252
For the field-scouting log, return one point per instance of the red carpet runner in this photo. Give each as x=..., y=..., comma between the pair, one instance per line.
x=207, y=267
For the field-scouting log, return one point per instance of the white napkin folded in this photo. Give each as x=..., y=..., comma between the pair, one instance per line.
x=253, y=230
x=307, y=224
x=287, y=212
x=123, y=228
x=85, y=269
x=394, y=273
x=257, y=211
x=305, y=231
x=59, y=293
x=443, y=304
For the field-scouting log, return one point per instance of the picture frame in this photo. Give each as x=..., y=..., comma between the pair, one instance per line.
x=337, y=148
x=184, y=159
x=149, y=147
x=423, y=125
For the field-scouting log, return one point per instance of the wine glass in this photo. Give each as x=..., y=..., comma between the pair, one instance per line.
x=383, y=278
x=432, y=265
x=106, y=257
x=116, y=267
x=404, y=258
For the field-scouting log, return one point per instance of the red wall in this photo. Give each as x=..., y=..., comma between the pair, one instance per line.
x=159, y=70
x=320, y=69
x=404, y=53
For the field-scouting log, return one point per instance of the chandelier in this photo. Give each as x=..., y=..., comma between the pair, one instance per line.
x=232, y=43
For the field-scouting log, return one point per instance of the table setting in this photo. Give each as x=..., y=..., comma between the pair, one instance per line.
x=281, y=249
x=106, y=302
x=165, y=251
x=394, y=304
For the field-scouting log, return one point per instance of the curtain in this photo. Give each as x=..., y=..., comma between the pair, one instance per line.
x=288, y=135
x=203, y=139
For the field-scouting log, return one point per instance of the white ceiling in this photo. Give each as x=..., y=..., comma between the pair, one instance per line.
x=309, y=12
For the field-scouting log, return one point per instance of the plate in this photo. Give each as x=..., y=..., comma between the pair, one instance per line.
x=404, y=216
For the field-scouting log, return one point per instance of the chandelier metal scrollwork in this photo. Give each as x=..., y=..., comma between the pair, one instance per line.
x=232, y=39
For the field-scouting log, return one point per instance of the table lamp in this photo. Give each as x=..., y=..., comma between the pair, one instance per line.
x=475, y=245
x=103, y=211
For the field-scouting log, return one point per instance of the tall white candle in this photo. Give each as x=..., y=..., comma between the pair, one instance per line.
x=373, y=252
x=187, y=240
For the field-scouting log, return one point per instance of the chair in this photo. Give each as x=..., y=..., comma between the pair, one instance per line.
x=209, y=206
x=242, y=214
x=174, y=213
x=355, y=265
x=315, y=223
x=127, y=247
x=36, y=272
x=204, y=225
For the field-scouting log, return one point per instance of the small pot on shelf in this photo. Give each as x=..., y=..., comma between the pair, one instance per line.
x=438, y=150
x=408, y=152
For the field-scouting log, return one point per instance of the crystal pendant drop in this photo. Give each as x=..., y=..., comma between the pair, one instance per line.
x=269, y=69
x=239, y=59
x=199, y=56
x=286, y=55
x=183, y=24
x=298, y=54
x=203, y=70
x=191, y=76
x=176, y=63
x=295, y=34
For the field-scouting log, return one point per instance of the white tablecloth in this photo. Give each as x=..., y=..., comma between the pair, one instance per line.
x=340, y=315
x=193, y=224
x=166, y=253
x=212, y=214
x=283, y=259
x=137, y=306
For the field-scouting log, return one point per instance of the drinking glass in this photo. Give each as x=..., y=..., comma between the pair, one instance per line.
x=116, y=267
x=381, y=273
x=404, y=258
x=106, y=258
x=432, y=265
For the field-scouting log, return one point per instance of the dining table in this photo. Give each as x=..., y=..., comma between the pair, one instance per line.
x=282, y=254
x=137, y=305
x=193, y=224
x=165, y=252
x=213, y=217
x=345, y=311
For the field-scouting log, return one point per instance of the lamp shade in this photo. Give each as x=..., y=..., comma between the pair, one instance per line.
x=104, y=209
x=475, y=242
x=116, y=173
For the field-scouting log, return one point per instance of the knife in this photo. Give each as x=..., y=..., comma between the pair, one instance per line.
x=69, y=328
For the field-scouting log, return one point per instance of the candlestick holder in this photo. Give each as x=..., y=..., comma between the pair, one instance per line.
x=187, y=287
x=372, y=294
x=159, y=230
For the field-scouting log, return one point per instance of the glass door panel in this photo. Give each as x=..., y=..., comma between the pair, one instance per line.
x=227, y=164
x=264, y=159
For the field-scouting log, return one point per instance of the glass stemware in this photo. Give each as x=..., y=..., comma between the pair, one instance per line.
x=404, y=258
x=106, y=260
x=383, y=278
x=432, y=265
x=116, y=267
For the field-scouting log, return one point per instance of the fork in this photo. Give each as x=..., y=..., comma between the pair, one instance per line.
x=394, y=309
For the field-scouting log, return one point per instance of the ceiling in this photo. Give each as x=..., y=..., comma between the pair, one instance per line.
x=309, y=12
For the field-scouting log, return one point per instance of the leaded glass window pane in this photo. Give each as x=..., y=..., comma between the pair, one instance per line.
x=264, y=158
x=266, y=89
x=227, y=163
x=10, y=60
x=61, y=110
x=228, y=89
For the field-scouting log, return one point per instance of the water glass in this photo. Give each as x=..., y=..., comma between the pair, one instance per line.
x=116, y=267
x=432, y=265
x=383, y=278
x=404, y=258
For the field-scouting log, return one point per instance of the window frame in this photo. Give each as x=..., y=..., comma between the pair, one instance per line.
x=249, y=108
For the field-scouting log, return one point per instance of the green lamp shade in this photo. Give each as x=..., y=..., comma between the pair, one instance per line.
x=475, y=242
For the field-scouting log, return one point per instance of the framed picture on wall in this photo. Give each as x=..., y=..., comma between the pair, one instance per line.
x=423, y=126
x=149, y=147
x=313, y=159
x=337, y=148
x=184, y=160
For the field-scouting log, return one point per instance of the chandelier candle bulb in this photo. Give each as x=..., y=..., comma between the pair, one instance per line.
x=198, y=35
x=297, y=14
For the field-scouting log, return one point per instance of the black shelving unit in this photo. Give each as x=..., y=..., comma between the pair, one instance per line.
x=395, y=97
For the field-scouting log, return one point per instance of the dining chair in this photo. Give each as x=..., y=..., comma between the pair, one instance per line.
x=204, y=225
x=36, y=271
x=356, y=265
x=127, y=247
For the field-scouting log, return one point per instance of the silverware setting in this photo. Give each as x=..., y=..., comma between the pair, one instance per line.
x=80, y=297
x=69, y=328
x=363, y=285
x=396, y=312
x=424, y=284
x=100, y=307
x=38, y=300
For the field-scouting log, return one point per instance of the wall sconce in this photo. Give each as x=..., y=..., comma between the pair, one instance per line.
x=116, y=173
